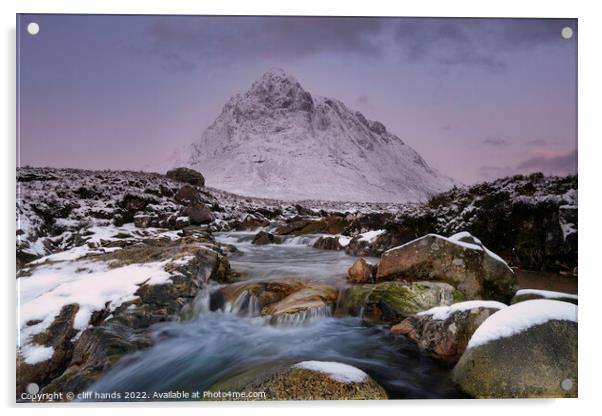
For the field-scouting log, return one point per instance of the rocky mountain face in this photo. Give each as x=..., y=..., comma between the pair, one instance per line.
x=279, y=141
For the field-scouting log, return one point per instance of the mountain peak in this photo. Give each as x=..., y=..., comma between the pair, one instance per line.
x=276, y=89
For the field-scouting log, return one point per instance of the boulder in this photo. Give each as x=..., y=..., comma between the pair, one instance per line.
x=460, y=260
x=263, y=237
x=391, y=302
x=444, y=331
x=525, y=350
x=187, y=194
x=186, y=175
x=361, y=272
x=198, y=213
x=252, y=222
x=308, y=380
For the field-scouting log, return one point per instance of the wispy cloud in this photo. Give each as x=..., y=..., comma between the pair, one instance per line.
x=549, y=164
x=496, y=141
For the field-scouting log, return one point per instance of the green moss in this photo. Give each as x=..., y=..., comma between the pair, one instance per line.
x=458, y=296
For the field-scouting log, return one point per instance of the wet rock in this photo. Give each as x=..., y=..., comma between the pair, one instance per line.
x=531, y=361
x=470, y=267
x=186, y=175
x=328, y=243
x=308, y=380
x=301, y=226
x=393, y=301
x=361, y=272
x=444, y=331
x=314, y=300
x=263, y=237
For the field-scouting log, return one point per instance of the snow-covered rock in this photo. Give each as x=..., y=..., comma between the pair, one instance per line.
x=525, y=350
x=277, y=140
x=461, y=260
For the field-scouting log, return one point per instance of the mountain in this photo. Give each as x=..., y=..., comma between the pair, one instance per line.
x=278, y=141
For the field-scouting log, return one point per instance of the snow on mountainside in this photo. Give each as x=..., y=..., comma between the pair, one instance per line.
x=278, y=141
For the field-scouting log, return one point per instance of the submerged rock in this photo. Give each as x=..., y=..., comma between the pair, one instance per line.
x=460, y=260
x=308, y=380
x=444, y=331
x=525, y=350
x=186, y=175
x=393, y=301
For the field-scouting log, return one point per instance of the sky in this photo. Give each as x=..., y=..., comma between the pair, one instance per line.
x=477, y=98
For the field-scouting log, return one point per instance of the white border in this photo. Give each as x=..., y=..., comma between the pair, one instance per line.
x=590, y=73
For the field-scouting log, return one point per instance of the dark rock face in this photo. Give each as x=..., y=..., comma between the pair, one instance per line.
x=444, y=338
x=252, y=222
x=532, y=363
x=186, y=175
x=476, y=273
x=263, y=238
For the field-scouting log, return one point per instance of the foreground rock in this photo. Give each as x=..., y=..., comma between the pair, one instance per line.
x=328, y=243
x=310, y=380
x=445, y=331
x=393, y=301
x=100, y=305
x=186, y=175
x=530, y=294
x=525, y=350
x=285, y=301
x=460, y=260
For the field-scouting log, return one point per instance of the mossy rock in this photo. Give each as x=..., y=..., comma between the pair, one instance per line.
x=286, y=382
x=393, y=301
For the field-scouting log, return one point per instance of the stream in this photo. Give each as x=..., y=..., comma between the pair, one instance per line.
x=195, y=354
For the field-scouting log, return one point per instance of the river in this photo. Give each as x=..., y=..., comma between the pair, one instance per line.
x=193, y=355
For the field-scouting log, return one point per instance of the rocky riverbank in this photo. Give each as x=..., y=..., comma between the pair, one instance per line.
x=105, y=257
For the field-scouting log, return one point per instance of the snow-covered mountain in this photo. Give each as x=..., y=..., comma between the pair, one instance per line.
x=278, y=141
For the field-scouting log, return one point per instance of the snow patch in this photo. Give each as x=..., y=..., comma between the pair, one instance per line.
x=343, y=373
x=520, y=317
x=444, y=312
x=35, y=353
x=371, y=236
x=549, y=294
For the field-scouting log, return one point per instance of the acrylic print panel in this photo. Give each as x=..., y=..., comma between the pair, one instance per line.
x=295, y=208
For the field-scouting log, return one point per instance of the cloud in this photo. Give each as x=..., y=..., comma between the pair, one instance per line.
x=549, y=164
x=537, y=142
x=476, y=42
x=218, y=40
x=496, y=141
x=564, y=164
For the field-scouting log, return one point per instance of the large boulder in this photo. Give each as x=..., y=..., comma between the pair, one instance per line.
x=444, y=331
x=328, y=243
x=461, y=260
x=187, y=194
x=186, y=175
x=525, y=350
x=393, y=301
x=307, y=380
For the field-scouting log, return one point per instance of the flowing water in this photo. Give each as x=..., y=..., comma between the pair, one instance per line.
x=215, y=345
